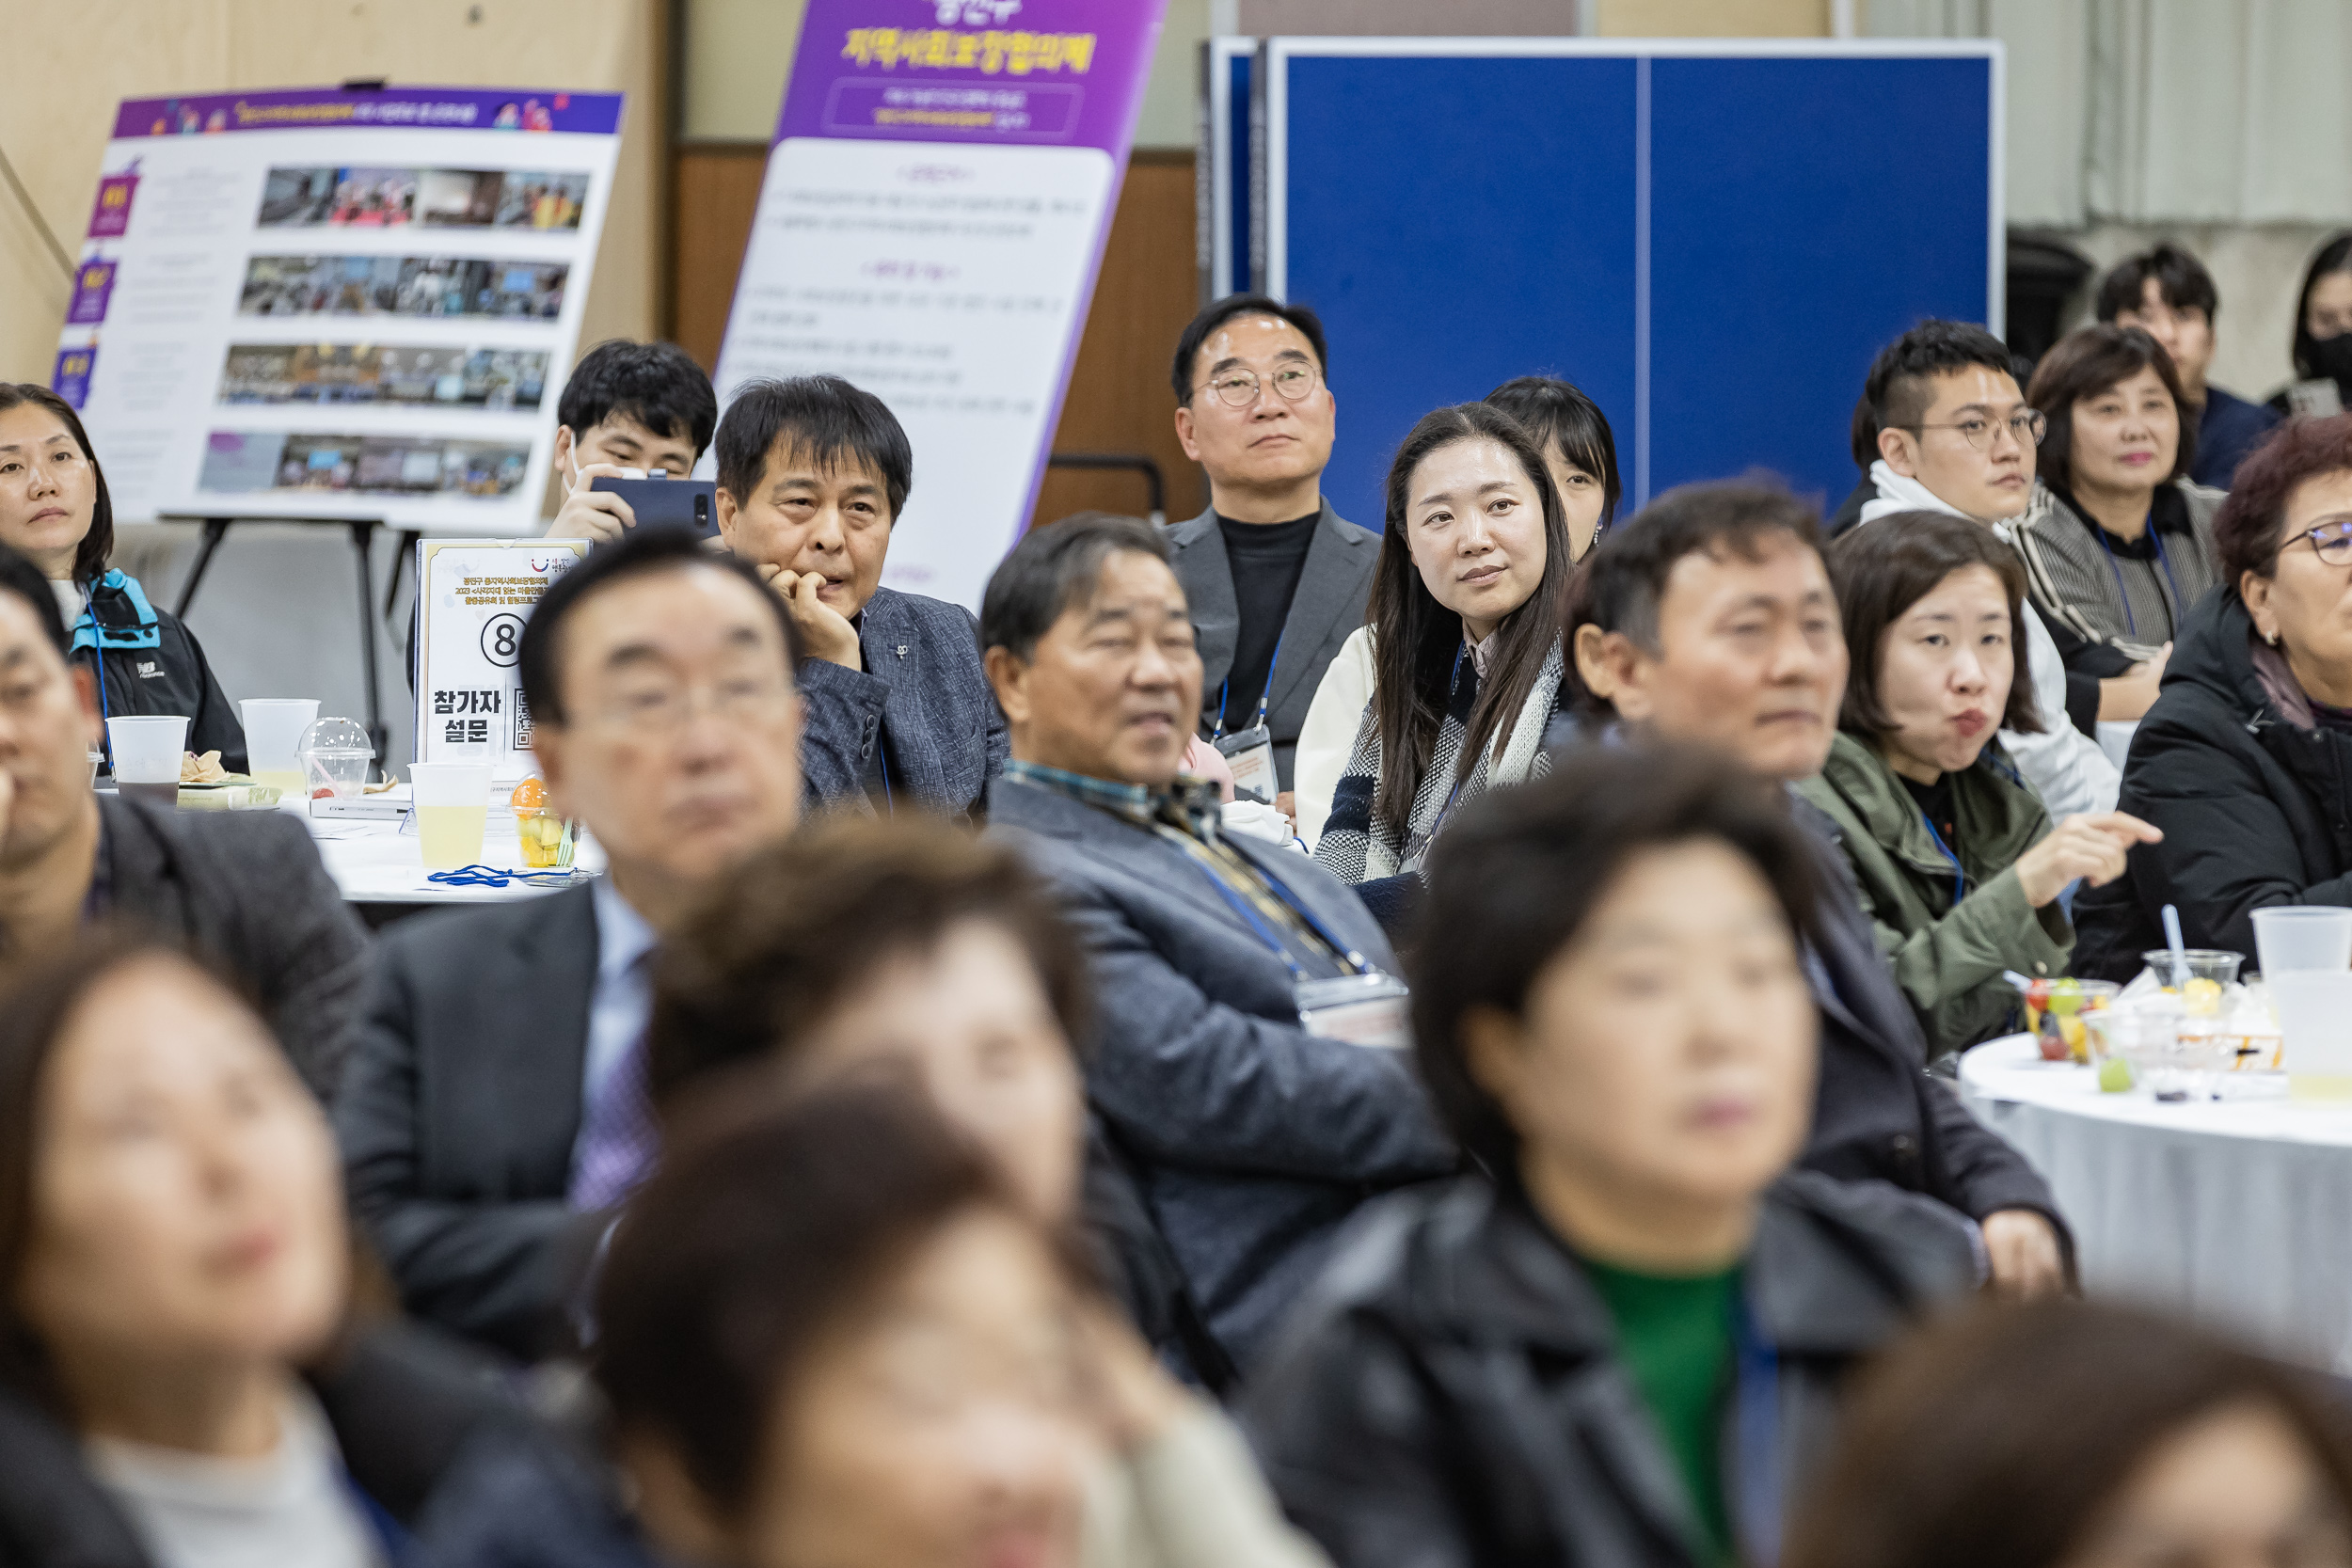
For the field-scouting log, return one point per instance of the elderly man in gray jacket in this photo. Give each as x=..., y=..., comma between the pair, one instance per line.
x=1256, y=1114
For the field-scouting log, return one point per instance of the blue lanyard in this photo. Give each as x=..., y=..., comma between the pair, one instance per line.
x=2131, y=626
x=1349, y=957
x=1273, y=664
x=1960, y=877
x=1756, y=1518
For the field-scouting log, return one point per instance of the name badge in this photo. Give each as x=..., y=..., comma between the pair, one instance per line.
x=1362, y=1009
x=1250, y=754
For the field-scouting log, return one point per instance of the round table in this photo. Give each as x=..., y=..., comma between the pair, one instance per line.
x=2236, y=1212
x=379, y=867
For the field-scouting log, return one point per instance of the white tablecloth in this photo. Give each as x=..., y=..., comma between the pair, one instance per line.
x=2237, y=1213
x=374, y=863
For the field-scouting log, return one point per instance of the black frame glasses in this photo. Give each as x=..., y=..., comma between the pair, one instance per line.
x=2335, y=534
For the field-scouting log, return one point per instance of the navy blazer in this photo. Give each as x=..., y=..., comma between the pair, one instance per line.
x=1253, y=1138
x=923, y=688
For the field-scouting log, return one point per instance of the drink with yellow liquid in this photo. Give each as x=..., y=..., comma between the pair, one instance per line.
x=287, y=780
x=451, y=836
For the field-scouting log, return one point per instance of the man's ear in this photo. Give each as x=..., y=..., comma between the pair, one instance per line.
x=565, y=442
x=1009, y=678
x=726, y=515
x=1491, y=1042
x=1611, y=667
x=1901, y=450
x=1184, y=432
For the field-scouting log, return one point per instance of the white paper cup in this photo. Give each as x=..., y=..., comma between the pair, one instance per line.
x=147, y=751
x=451, y=802
x=2298, y=938
x=273, y=738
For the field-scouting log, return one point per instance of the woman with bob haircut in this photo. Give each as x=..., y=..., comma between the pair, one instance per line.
x=1623, y=1341
x=2062, y=1434
x=1952, y=852
x=1468, y=611
x=2246, y=759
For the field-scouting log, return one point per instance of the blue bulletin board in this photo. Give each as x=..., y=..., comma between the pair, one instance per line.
x=1712, y=239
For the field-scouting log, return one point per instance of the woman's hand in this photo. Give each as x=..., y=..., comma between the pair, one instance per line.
x=2127, y=697
x=2091, y=846
x=825, y=633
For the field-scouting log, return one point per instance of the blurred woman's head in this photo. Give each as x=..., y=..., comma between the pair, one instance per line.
x=2284, y=539
x=2322, y=346
x=171, y=1200
x=53, y=506
x=1577, y=448
x=2117, y=420
x=1930, y=608
x=1607, y=997
x=2062, y=1434
x=830, y=1334
x=902, y=942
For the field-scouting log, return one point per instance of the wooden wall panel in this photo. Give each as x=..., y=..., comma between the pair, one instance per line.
x=717, y=191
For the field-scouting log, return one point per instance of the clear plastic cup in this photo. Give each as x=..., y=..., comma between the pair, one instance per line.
x=273, y=739
x=451, y=803
x=147, y=756
x=335, y=755
x=2299, y=938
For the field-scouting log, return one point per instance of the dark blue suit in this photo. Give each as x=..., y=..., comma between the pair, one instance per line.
x=922, y=695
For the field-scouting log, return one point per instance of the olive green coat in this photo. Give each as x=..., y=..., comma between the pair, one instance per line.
x=1948, y=961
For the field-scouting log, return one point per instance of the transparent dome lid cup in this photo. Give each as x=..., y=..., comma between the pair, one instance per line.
x=335, y=755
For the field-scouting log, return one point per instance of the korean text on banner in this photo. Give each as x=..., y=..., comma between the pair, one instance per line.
x=476, y=594
x=930, y=225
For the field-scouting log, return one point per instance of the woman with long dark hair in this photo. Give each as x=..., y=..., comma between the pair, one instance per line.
x=2322, y=345
x=1468, y=603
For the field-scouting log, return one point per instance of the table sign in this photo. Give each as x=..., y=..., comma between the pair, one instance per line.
x=941, y=183
x=474, y=596
x=335, y=303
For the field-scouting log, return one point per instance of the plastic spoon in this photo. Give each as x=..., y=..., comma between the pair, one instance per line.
x=2180, y=949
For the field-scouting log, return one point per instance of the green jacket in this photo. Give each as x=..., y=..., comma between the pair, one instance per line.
x=1948, y=961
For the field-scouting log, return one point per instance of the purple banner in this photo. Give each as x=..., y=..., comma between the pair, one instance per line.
x=70, y=380
x=1063, y=71
x=93, y=284
x=111, y=218
x=333, y=108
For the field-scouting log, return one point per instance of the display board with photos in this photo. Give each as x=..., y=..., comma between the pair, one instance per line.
x=331, y=303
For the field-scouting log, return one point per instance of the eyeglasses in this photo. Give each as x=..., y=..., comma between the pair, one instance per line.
x=663, y=708
x=2027, y=425
x=1239, y=388
x=2331, y=540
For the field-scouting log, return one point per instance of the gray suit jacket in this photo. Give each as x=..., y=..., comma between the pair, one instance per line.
x=1334, y=587
x=922, y=683
x=459, y=1108
x=1254, y=1139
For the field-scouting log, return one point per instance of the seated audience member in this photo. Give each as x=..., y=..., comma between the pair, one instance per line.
x=1253, y=1134
x=2066, y=1436
x=1467, y=607
x=1862, y=437
x=813, y=474
x=245, y=889
x=184, y=1375
x=1959, y=868
x=1710, y=618
x=2119, y=545
x=55, y=512
x=1954, y=434
x=2246, y=761
x=1276, y=578
x=495, y=1109
x=1566, y=1359
x=834, y=1331
x=2322, y=346
x=629, y=408
x=913, y=945
x=2169, y=295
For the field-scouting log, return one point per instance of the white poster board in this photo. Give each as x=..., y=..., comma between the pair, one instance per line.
x=326, y=303
x=474, y=596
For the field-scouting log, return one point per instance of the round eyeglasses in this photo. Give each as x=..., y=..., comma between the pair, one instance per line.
x=1239, y=388
x=2332, y=539
x=2027, y=425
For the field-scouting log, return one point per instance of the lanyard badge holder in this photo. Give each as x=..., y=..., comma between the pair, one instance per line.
x=1251, y=752
x=1369, y=1009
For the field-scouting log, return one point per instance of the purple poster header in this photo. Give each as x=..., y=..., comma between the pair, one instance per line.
x=516, y=109
x=1067, y=72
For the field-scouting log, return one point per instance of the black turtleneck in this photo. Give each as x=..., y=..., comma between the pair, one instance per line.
x=1268, y=560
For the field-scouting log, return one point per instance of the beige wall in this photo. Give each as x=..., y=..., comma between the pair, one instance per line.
x=70, y=64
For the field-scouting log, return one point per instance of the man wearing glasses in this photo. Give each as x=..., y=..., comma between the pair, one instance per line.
x=494, y=1113
x=1956, y=434
x=1276, y=580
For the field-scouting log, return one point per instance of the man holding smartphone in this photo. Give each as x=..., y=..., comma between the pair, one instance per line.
x=629, y=408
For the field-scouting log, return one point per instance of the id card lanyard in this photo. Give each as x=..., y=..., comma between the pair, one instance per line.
x=1960, y=877
x=1251, y=752
x=2131, y=626
x=1759, y=1482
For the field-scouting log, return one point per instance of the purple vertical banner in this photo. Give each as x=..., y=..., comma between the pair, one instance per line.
x=93, y=285
x=111, y=218
x=70, y=380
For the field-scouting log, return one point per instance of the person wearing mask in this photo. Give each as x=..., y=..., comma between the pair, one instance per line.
x=834, y=1330
x=2246, y=761
x=187, y=1374
x=1257, y=1117
x=1620, y=1341
x=628, y=409
x=1711, y=618
x=813, y=473
x=494, y=1111
x=245, y=889
x=55, y=510
x=1951, y=433
x=2321, y=348
x=1957, y=863
x=2118, y=545
x=1276, y=580
x=1467, y=618
x=2066, y=1435
x=2169, y=295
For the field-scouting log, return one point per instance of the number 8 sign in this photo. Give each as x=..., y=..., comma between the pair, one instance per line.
x=503, y=640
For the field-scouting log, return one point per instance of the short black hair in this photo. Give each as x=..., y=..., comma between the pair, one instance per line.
x=1897, y=387
x=1053, y=568
x=1881, y=568
x=90, y=555
x=658, y=385
x=2181, y=282
x=822, y=418
x=1214, y=316
x=2333, y=257
x=1516, y=878
x=19, y=577
x=1558, y=414
x=638, y=551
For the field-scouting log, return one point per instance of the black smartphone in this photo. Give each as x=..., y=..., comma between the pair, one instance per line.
x=691, y=501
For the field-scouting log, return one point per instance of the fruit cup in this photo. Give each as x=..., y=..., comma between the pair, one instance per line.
x=2055, y=1011
x=545, y=837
